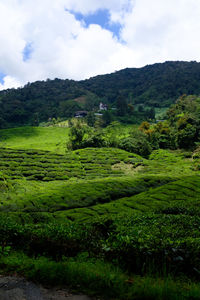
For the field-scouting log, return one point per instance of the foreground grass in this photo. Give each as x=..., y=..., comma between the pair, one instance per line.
x=167, y=242
x=97, y=278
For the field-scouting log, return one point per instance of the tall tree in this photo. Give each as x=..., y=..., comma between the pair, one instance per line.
x=122, y=106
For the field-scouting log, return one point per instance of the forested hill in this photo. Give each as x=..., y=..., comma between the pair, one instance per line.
x=158, y=84
x=153, y=85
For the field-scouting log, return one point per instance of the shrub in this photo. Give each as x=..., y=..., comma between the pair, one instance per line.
x=139, y=146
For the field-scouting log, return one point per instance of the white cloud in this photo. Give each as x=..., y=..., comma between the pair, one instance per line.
x=152, y=31
x=92, y=53
x=90, y=6
x=9, y=82
x=163, y=30
x=61, y=45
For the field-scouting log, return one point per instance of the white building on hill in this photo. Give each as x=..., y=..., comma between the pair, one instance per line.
x=103, y=106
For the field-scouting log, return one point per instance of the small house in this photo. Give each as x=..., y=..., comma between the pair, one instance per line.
x=103, y=106
x=80, y=114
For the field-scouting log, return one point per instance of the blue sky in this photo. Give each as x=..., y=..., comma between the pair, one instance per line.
x=27, y=51
x=2, y=75
x=100, y=17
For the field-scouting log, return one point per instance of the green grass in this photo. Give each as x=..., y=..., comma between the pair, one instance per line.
x=98, y=279
x=32, y=196
x=185, y=190
x=46, y=166
x=143, y=243
x=46, y=138
x=41, y=138
x=172, y=163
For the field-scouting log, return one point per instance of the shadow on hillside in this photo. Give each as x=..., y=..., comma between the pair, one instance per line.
x=7, y=134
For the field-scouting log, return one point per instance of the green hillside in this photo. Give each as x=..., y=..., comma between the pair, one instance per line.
x=158, y=84
x=102, y=220
x=184, y=193
x=132, y=92
x=42, y=138
x=46, y=166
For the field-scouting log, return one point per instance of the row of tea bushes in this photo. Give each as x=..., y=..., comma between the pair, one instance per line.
x=87, y=163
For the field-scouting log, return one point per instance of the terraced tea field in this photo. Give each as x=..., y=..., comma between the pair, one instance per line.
x=184, y=193
x=62, y=211
x=93, y=182
x=46, y=166
x=35, y=181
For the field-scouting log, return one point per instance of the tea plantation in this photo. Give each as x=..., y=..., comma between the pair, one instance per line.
x=102, y=221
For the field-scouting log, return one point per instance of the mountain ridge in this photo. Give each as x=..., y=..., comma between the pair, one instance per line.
x=156, y=85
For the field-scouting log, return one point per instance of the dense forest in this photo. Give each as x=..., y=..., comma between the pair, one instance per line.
x=180, y=130
x=134, y=89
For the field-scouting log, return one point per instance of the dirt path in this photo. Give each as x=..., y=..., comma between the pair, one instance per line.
x=16, y=288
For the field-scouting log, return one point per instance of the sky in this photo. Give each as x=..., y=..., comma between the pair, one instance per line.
x=78, y=39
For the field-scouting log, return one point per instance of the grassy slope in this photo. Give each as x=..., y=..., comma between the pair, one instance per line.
x=32, y=196
x=185, y=191
x=47, y=138
x=86, y=163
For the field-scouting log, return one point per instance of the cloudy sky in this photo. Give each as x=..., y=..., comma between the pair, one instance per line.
x=77, y=39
